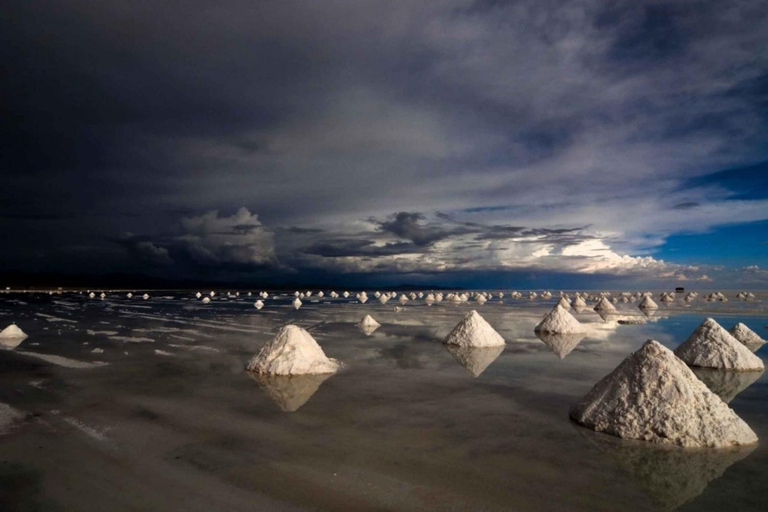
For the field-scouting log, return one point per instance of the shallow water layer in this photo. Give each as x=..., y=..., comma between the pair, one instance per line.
x=137, y=404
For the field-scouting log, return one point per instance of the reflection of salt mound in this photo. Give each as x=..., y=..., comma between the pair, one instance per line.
x=605, y=305
x=669, y=475
x=559, y=321
x=653, y=396
x=726, y=384
x=290, y=392
x=292, y=352
x=368, y=325
x=647, y=303
x=747, y=336
x=474, y=331
x=711, y=346
x=560, y=344
x=475, y=359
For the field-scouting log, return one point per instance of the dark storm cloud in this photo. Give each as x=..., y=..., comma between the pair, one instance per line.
x=517, y=118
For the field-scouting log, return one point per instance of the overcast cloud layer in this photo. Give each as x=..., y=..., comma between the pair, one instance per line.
x=282, y=140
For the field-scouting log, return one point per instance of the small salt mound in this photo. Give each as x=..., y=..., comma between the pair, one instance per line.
x=296, y=303
x=403, y=299
x=604, y=305
x=480, y=299
x=711, y=346
x=92, y=295
x=129, y=295
x=346, y=294
x=145, y=296
x=747, y=336
x=384, y=298
x=647, y=303
x=292, y=352
x=206, y=300
x=563, y=303
x=560, y=321
x=258, y=304
x=578, y=302
x=653, y=396
x=475, y=359
x=369, y=321
x=12, y=332
x=474, y=331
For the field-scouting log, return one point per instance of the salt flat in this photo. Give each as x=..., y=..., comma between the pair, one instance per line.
x=405, y=424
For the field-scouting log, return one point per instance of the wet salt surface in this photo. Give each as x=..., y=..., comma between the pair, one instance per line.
x=405, y=425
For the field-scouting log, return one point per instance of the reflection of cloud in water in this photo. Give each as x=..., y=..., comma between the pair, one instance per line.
x=289, y=392
x=670, y=475
x=561, y=344
x=724, y=383
x=475, y=359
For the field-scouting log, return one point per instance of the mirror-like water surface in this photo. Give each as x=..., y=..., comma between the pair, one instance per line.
x=121, y=404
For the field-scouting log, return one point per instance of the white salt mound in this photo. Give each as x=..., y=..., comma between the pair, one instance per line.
x=747, y=336
x=258, y=304
x=12, y=332
x=579, y=302
x=563, y=303
x=711, y=346
x=647, y=303
x=369, y=321
x=605, y=305
x=560, y=321
x=653, y=396
x=292, y=352
x=474, y=331
x=296, y=303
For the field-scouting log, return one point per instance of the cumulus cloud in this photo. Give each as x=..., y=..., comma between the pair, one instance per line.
x=212, y=239
x=145, y=250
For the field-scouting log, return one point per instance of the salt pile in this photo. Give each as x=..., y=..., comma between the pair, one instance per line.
x=206, y=300
x=474, y=331
x=475, y=359
x=578, y=302
x=292, y=352
x=563, y=303
x=198, y=295
x=258, y=304
x=145, y=296
x=12, y=332
x=605, y=305
x=480, y=299
x=403, y=299
x=653, y=396
x=560, y=321
x=129, y=295
x=747, y=336
x=368, y=325
x=711, y=346
x=647, y=303
x=296, y=303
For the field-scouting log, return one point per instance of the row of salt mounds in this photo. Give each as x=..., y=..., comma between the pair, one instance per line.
x=711, y=346
x=474, y=331
x=292, y=352
x=560, y=321
x=653, y=396
x=747, y=336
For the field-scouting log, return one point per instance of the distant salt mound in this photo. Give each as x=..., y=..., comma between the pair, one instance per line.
x=198, y=295
x=747, y=336
x=563, y=303
x=647, y=303
x=368, y=325
x=296, y=303
x=475, y=359
x=12, y=332
x=403, y=299
x=258, y=304
x=474, y=331
x=480, y=299
x=292, y=352
x=653, y=396
x=146, y=296
x=560, y=321
x=605, y=305
x=206, y=300
x=711, y=346
x=578, y=302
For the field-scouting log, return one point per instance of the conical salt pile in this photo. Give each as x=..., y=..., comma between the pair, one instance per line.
x=605, y=305
x=560, y=321
x=653, y=396
x=292, y=352
x=369, y=321
x=258, y=304
x=711, y=346
x=747, y=336
x=206, y=300
x=296, y=303
x=578, y=302
x=12, y=332
x=647, y=303
x=563, y=303
x=474, y=331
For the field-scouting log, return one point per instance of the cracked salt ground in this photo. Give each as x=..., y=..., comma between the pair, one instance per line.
x=406, y=424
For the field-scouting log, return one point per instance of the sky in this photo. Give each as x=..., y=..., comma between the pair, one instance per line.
x=520, y=144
